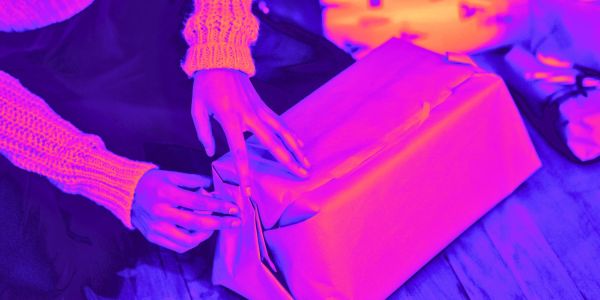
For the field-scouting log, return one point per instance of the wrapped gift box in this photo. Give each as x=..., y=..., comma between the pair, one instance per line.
x=567, y=114
x=408, y=150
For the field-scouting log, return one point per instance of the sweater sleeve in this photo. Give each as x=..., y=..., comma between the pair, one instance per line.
x=219, y=34
x=35, y=138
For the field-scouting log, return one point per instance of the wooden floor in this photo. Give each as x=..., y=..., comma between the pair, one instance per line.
x=542, y=242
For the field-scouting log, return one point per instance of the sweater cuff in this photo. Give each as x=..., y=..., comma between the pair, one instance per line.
x=110, y=180
x=218, y=56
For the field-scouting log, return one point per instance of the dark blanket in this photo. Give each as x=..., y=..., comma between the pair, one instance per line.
x=113, y=70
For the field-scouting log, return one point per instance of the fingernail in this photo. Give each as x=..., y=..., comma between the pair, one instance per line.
x=306, y=163
x=233, y=211
x=303, y=171
x=209, y=151
x=248, y=191
x=235, y=223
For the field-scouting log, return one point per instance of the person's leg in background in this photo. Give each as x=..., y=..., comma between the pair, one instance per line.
x=25, y=270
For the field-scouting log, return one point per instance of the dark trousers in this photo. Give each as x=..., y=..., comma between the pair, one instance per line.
x=113, y=70
x=51, y=243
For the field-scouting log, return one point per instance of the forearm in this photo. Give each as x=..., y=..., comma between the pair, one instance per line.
x=35, y=138
x=219, y=34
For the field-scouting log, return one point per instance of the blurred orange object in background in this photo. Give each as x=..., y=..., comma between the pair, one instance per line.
x=358, y=26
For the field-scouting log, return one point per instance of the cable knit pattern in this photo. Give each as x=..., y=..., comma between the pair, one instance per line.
x=35, y=138
x=220, y=33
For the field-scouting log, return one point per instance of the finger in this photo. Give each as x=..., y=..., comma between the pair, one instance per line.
x=173, y=234
x=275, y=146
x=274, y=120
x=293, y=143
x=216, y=205
x=199, y=236
x=198, y=222
x=211, y=222
x=204, y=130
x=188, y=180
x=237, y=145
x=198, y=201
x=181, y=236
x=165, y=243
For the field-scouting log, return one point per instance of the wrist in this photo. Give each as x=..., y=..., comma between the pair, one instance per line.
x=218, y=56
x=220, y=71
x=111, y=181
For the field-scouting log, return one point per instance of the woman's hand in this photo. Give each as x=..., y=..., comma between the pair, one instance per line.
x=229, y=97
x=168, y=213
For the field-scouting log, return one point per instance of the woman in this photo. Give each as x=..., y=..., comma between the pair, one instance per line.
x=36, y=139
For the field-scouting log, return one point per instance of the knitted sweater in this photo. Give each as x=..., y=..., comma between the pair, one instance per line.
x=219, y=34
x=35, y=138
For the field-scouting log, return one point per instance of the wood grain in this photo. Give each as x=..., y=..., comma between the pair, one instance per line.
x=480, y=268
x=435, y=281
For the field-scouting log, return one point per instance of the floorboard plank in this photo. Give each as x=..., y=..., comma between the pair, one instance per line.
x=434, y=281
x=569, y=232
x=535, y=266
x=563, y=199
x=581, y=181
x=480, y=268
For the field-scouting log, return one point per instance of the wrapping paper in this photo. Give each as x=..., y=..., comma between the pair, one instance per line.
x=569, y=113
x=566, y=30
x=407, y=149
x=558, y=71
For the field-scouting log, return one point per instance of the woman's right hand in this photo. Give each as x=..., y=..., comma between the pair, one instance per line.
x=168, y=214
x=229, y=97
